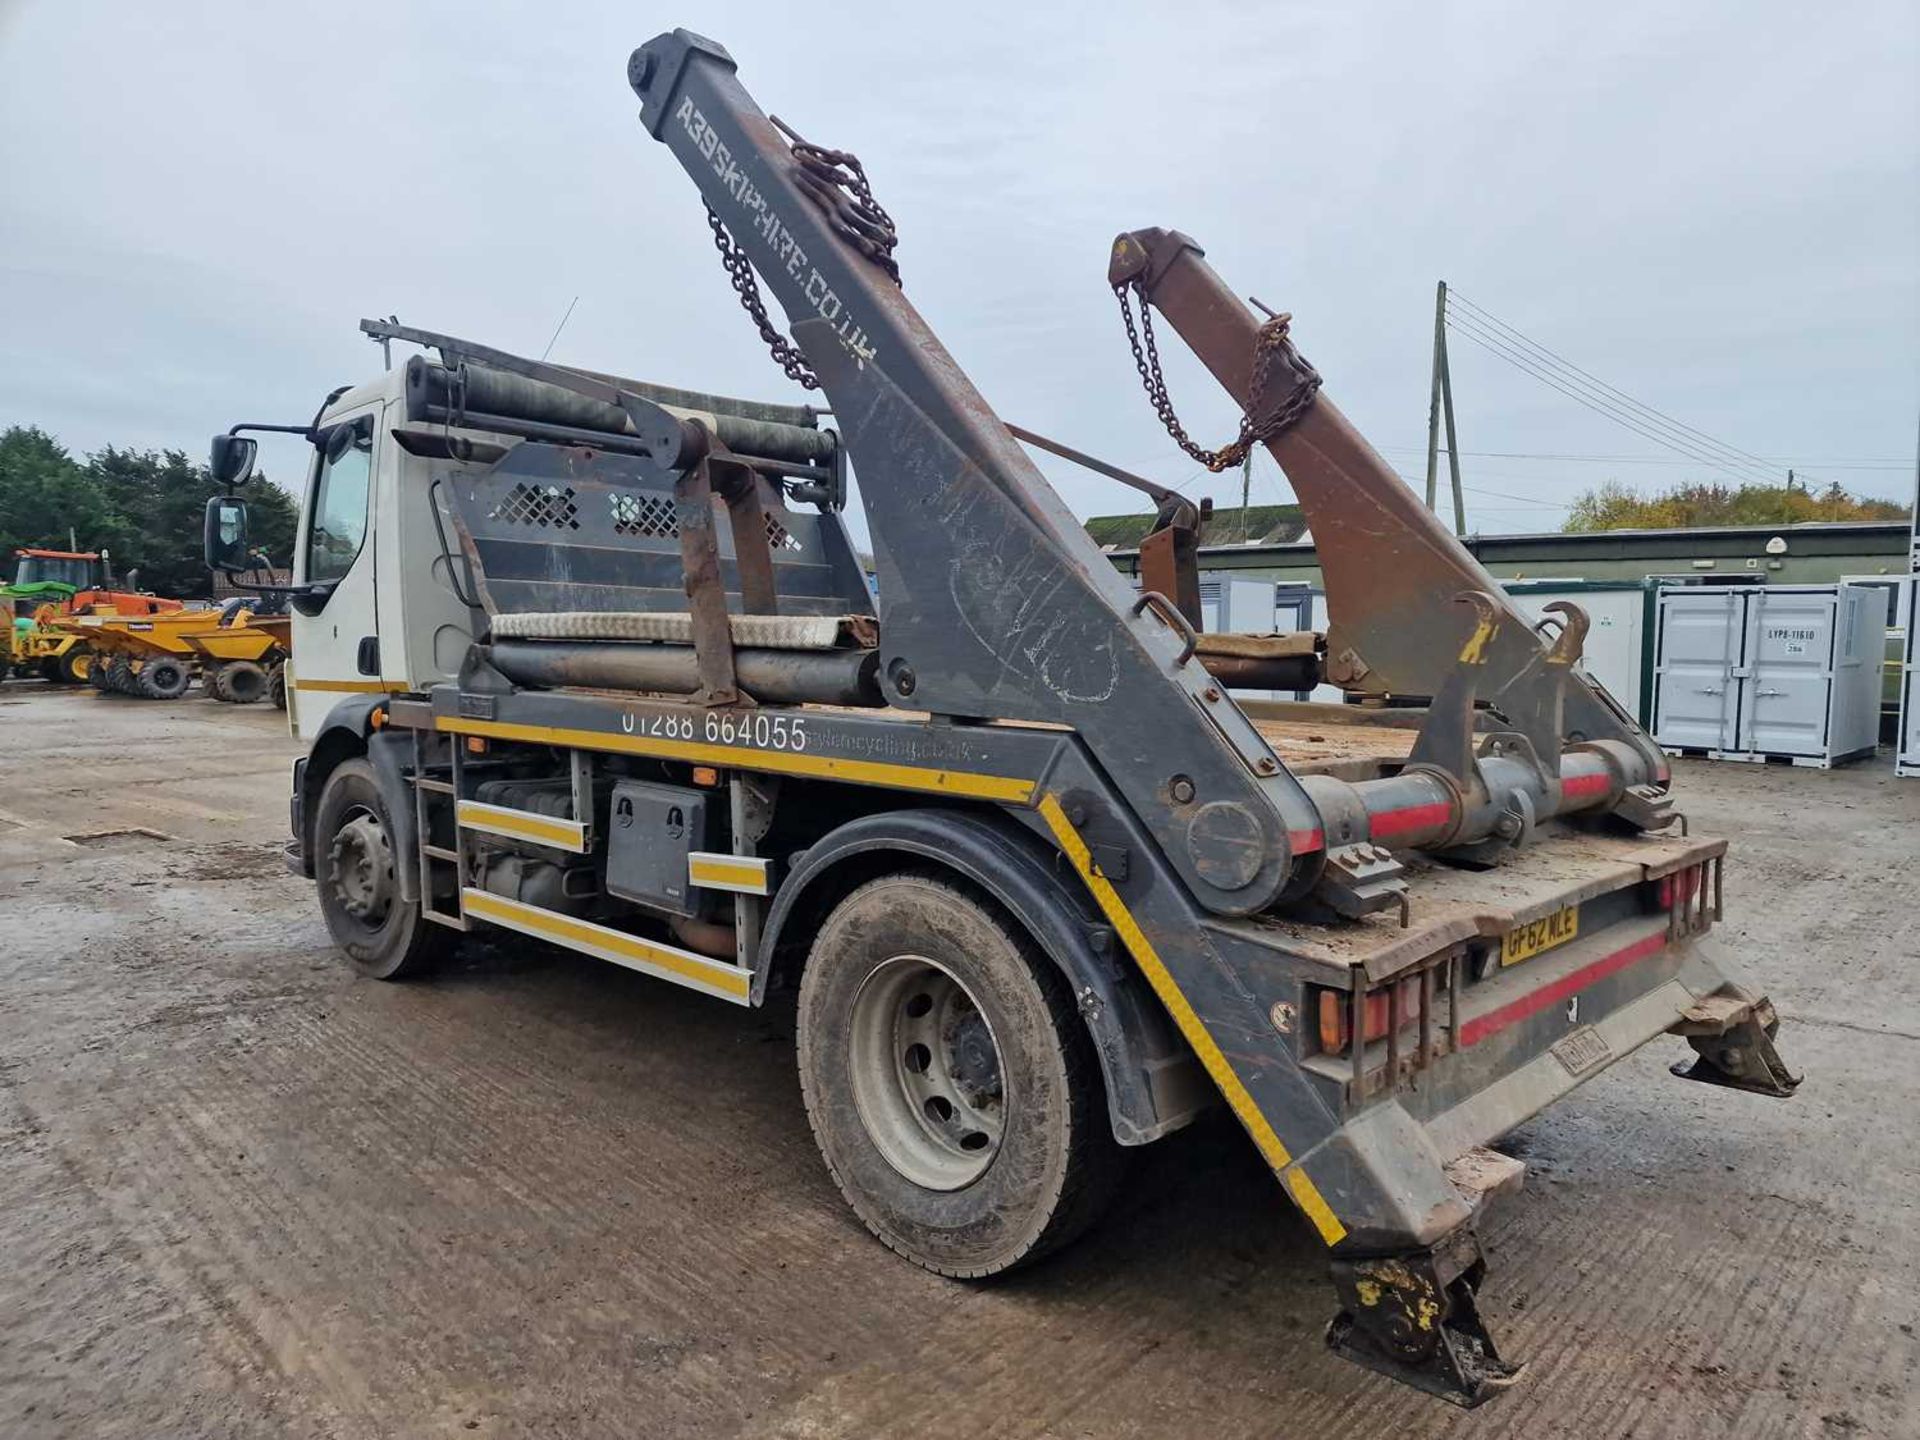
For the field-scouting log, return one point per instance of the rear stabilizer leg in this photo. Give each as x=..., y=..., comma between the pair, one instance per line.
x=1413, y=1316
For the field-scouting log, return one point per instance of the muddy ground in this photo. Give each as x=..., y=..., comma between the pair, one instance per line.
x=243, y=1193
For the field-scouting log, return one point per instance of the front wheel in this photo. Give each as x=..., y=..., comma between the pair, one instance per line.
x=949, y=1082
x=355, y=868
x=164, y=679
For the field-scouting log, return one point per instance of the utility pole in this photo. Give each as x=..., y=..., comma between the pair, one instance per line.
x=1246, y=489
x=1439, y=402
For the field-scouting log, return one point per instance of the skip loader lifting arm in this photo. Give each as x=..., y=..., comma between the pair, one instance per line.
x=1168, y=804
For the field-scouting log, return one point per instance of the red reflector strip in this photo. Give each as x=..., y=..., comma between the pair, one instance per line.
x=1582, y=785
x=1514, y=1011
x=1302, y=841
x=1414, y=817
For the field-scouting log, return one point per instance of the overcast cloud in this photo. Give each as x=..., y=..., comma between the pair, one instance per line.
x=1714, y=206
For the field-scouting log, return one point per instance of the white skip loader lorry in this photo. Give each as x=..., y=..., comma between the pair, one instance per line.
x=595, y=661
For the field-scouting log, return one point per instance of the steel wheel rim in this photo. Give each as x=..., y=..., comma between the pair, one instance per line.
x=360, y=868
x=928, y=1079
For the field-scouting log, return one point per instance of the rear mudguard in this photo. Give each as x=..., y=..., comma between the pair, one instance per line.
x=1154, y=1086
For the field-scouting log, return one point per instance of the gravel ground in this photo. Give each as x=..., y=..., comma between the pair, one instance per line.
x=243, y=1193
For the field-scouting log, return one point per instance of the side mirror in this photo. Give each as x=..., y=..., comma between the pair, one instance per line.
x=226, y=532
x=232, y=459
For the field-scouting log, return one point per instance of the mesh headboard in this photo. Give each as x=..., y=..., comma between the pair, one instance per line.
x=553, y=529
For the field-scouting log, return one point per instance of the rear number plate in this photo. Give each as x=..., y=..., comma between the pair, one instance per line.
x=1582, y=1050
x=1523, y=942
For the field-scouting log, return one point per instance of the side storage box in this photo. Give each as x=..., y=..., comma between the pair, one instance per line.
x=650, y=830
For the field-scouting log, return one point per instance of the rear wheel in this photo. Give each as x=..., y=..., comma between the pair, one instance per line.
x=277, y=686
x=242, y=682
x=355, y=868
x=164, y=679
x=949, y=1082
x=121, y=675
x=210, y=679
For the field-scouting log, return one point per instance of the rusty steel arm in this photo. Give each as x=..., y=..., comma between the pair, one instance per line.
x=1170, y=551
x=1392, y=570
x=994, y=601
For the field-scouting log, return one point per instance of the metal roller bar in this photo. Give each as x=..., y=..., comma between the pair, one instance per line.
x=786, y=677
x=483, y=390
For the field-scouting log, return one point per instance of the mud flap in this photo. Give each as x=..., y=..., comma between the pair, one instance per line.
x=1733, y=1038
x=1413, y=1317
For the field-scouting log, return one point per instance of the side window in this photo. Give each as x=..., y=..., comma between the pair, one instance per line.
x=339, y=525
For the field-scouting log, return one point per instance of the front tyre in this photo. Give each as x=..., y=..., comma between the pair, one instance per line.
x=356, y=871
x=951, y=1086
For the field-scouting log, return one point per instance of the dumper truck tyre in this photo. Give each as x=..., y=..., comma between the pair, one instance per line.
x=210, y=680
x=356, y=868
x=277, y=686
x=950, y=1084
x=164, y=679
x=120, y=675
x=242, y=681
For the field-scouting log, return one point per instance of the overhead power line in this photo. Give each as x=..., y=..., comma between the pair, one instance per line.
x=1508, y=343
x=1871, y=462
x=1732, y=465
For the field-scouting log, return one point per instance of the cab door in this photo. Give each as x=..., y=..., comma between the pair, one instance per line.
x=336, y=648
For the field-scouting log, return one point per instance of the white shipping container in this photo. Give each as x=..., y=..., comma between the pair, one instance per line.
x=1769, y=671
x=1907, y=754
x=1617, y=653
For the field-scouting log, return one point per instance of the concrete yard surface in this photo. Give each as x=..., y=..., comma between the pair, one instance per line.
x=245, y=1193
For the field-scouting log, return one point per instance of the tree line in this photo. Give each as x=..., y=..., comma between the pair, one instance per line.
x=1614, y=506
x=143, y=506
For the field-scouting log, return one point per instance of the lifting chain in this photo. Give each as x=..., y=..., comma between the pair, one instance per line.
x=836, y=181
x=1272, y=341
x=740, y=271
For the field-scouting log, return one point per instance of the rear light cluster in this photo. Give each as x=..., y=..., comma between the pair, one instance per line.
x=1680, y=887
x=1336, y=1012
x=1691, y=897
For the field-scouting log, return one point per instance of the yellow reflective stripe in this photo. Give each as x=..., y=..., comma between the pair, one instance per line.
x=523, y=825
x=668, y=962
x=741, y=757
x=728, y=872
x=348, y=687
x=1298, y=1183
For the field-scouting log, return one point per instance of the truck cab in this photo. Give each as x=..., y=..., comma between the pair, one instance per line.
x=372, y=614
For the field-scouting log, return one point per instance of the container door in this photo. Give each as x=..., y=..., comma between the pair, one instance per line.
x=1702, y=634
x=334, y=647
x=1789, y=684
x=1908, y=757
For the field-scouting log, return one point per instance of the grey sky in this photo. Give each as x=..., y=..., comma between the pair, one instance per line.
x=1714, y=206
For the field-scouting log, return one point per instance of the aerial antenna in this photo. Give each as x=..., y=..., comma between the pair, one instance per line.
x=561, y=326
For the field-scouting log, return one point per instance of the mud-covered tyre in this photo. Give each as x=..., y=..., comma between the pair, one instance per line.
x=243, y=682
x=277, y=686
x=97, y=674
x=949, y=1081
x=164, y=679
x=121, y=675
x=210, y=679
x=355, y=868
